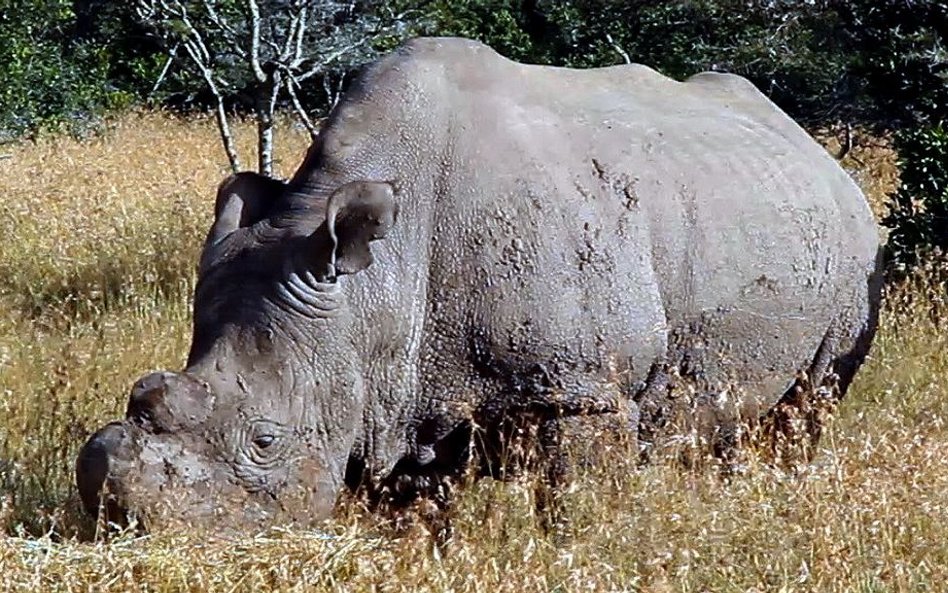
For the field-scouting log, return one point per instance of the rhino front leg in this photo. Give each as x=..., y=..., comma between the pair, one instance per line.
x=571, y=446
x=556, y=471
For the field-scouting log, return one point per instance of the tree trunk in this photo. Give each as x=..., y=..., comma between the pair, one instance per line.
x=265, y=143
x=266, y=106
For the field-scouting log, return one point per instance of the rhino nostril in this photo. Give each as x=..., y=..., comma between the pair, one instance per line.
x=144, y=418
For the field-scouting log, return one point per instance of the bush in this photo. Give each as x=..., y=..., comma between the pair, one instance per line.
x=899, y=56
x=50, y=79
x=918, y=212
x=795, y=52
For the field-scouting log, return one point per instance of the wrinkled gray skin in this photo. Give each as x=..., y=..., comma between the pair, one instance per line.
x=471, y=239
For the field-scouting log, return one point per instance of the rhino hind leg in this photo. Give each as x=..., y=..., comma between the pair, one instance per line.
x=682, y=418
x=857, y=326
x=720, y=388
x=794, y=426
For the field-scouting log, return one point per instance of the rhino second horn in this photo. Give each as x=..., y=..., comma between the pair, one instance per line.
x=167, y=401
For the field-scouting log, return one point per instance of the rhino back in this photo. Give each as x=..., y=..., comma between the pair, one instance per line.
x=726, y=186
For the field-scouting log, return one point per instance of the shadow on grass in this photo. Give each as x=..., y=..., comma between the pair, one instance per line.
x=94, y=289
x=39, y=498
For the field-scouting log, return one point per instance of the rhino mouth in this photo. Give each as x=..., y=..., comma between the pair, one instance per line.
x=131, y=478
x=96, y=474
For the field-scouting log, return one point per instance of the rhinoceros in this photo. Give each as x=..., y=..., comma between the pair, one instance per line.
x=473, y=243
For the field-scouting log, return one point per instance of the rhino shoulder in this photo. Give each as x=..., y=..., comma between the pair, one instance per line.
x=725, y=83
x=443, y=46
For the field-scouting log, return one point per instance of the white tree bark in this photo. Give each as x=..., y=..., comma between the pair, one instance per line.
x=619, y=49
x=279, y=43
x=301, y=114
x=200, y=59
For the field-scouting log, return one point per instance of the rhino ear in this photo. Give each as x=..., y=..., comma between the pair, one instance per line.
x=242, y=200
x=357, y=213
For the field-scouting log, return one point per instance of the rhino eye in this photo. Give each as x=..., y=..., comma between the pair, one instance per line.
x=263, y=441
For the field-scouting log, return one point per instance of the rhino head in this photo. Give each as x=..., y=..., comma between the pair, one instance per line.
x=263, y=419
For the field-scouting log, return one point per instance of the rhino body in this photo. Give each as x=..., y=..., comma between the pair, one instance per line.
x=471, y=241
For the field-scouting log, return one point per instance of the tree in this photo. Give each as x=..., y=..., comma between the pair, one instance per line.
x=266, y=50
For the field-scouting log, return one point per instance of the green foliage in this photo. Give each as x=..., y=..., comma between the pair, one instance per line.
x=51, y=80
x=900, y=53
x=134, y=59
x=918, y=213
x=902, y=57
x=499, y=23
x=881, y=63
x=870, y=61
x=793, y=51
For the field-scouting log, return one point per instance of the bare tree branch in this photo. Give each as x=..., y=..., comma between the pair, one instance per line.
x=298, y=108
x=321, y=65
x=223, y=125
x=266, y=107
x=618, y=49
x=255, y=41
x=270, y=48
x=193, y=33
x=164, y=69
x=229, y=33
x=300, y=33
x=333, y=96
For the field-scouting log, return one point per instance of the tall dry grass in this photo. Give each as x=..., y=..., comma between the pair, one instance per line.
x=99, y=246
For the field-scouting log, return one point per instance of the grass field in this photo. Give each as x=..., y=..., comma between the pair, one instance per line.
x=96, y=267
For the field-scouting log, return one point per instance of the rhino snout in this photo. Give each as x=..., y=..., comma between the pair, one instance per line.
x=163, y=464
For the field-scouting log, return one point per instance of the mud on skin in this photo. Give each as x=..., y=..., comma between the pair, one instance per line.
x=474, y=248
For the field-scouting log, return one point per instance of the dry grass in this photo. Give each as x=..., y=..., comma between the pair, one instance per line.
x=868, y=515
x=123, y=213
x=871, y=161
